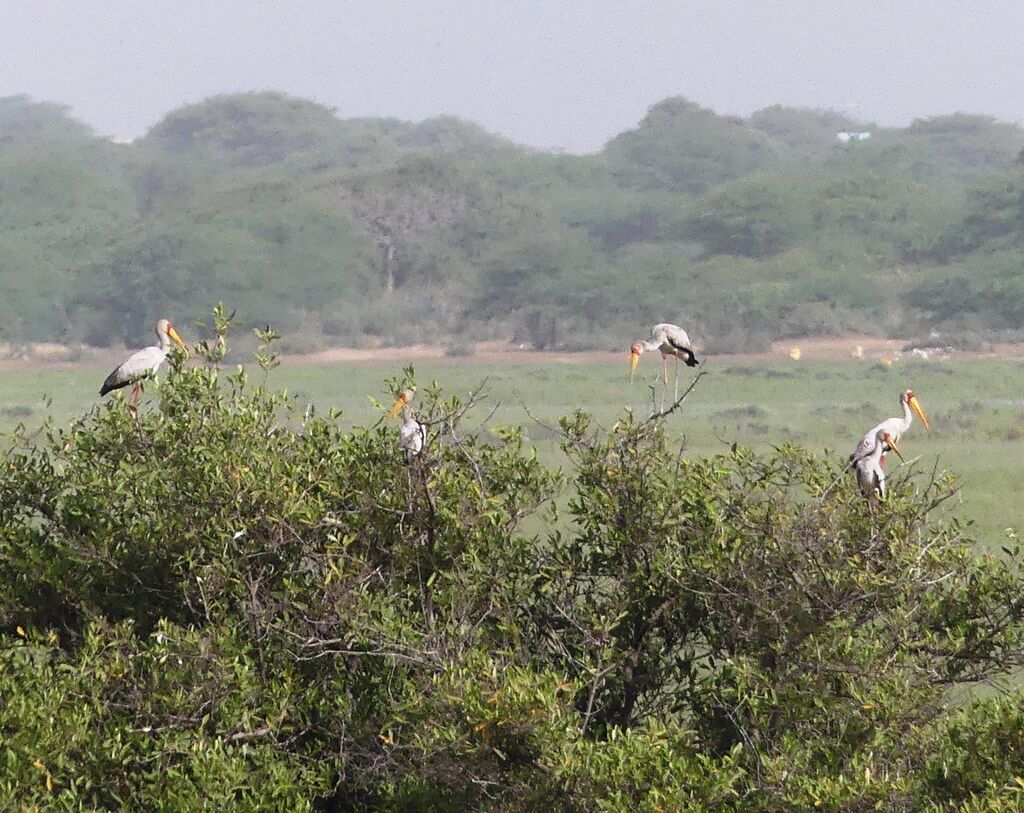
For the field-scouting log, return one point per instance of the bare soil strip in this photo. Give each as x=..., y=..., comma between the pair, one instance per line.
x=832, y=348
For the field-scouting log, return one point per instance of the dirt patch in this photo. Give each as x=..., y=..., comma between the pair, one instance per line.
x=56, y=356
x=483, y=353
x=833, y=348
x=830, y=348
x=838, y=347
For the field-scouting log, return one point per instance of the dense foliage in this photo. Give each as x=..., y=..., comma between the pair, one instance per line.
x=226, y=601
x=340, y=230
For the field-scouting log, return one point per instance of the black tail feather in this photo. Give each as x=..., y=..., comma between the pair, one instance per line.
x=688, y=357
x=112, y=384
x=110, y=387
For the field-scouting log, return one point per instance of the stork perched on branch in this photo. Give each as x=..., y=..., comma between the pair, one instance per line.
x=403, y=400
x=870, y=469
x=142, y=363
x=895, y=427
x=670, y=340
x=412, y=436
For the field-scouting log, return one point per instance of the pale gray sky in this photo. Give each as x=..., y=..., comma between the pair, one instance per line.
x=564, y=75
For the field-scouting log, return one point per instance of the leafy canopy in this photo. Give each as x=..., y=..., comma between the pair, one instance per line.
x=332, y=227
x=227, y=599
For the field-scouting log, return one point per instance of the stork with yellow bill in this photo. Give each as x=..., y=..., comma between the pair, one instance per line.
x=404, y=399
x=142, y=363
x=895, y=427
x=870, y=470
x=412, y=437
x=671, y=340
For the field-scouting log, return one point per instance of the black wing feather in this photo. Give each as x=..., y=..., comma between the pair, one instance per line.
x=113, y=383
x=689, y=358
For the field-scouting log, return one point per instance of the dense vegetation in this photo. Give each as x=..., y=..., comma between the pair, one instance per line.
x=337, y=230
x=227, y=601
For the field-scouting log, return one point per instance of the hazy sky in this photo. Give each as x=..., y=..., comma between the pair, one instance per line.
x=565, y=75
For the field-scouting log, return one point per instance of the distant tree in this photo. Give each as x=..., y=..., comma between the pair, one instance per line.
x=990, y=219
x=25, y=122
x=687, y=148
x=808, y=133
x=976, y=143
x=245, y=129
x=451, y=136
x=983, y=292
x=64, y=195
x=404, y=204
x=755, y=217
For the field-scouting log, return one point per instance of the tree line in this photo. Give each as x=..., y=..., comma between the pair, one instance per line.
x=337, y=229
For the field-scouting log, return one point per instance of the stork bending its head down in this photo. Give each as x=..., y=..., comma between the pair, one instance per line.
x=143, y=362
x=870, y=470
x=404, y=399
x=412, y=437
x=671, y=340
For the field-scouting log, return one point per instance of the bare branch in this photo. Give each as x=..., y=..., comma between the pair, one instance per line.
x=663, y=413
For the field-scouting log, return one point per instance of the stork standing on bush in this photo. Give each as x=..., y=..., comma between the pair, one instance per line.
x=870, y=469
x=671, y=340
x=142, y=363
x=893, y=427
x=413, y=435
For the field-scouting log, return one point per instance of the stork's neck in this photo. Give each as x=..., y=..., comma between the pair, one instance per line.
x=651, y=344
x=908, y=415
x=876, y=455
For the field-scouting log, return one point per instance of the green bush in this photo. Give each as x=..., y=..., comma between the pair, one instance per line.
x=225, y=600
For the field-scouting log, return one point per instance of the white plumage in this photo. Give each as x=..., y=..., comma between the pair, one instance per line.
x=671, y=340
x=870, y=470
x=411, y=438
x=895, y=427
x=143, y=362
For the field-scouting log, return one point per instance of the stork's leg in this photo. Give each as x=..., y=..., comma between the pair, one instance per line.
x=677, y=381
x=133, y=409
x=664, y=363
x=138, y=424
x=878, y=492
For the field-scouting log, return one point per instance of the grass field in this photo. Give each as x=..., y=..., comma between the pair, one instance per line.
x=976, y=408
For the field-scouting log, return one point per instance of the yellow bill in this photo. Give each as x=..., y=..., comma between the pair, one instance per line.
x=634, y=359
x=916, y=406
x=398, y=405
x=892, y=445
x=174, y=335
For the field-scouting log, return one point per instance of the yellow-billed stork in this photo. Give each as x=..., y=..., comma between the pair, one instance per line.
x=142, y=363
x=895, y=427
x=870, y=469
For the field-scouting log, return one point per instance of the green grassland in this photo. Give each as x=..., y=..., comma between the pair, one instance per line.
x=976, y=409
